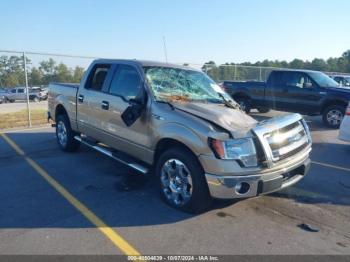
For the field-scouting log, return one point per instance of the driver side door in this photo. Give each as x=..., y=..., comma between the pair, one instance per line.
x=126, y=84
x=303, y=94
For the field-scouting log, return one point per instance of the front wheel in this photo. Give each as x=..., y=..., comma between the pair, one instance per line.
x=65, y=134
x=333, y=116
x=182, y=181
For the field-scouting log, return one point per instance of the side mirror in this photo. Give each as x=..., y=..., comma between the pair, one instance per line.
x=135, y=108
x=307, y=85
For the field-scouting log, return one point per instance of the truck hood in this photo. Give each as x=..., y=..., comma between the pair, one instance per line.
x=234, y=120
x=346, y=90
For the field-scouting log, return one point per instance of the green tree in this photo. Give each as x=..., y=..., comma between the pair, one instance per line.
x=35, y=77
x=78, y=74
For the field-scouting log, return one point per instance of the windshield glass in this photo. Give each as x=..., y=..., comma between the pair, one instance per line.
x=169, y=84
x=323, y=80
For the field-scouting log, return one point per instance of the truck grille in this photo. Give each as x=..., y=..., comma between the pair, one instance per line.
x=283, y=137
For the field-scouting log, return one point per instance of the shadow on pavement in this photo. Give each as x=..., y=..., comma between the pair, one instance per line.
x=118, y=196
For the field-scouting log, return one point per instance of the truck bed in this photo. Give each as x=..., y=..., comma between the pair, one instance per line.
x=66, y=95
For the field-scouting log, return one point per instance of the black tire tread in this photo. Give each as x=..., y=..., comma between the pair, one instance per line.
x=72, y=144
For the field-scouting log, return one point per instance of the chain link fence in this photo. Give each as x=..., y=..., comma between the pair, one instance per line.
x=30, y=71
x=24, y=78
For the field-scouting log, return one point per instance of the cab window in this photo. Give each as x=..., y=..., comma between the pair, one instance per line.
x=296, y=79
x=97, y=77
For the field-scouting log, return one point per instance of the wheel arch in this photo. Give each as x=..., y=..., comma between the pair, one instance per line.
x=167, y=143
x=332, y=102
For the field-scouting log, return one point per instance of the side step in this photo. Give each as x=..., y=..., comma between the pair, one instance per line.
x=116, y=155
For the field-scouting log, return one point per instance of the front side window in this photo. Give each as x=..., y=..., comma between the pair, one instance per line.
x=20, y=91
x=296, y=79
x=168, y=84
x=126, y=82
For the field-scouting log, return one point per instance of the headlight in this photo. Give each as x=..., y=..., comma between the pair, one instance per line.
x=242, y=150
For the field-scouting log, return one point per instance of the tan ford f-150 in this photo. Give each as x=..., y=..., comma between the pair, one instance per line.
x=175, y=122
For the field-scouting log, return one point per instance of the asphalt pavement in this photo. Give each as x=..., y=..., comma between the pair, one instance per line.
x=85, y=203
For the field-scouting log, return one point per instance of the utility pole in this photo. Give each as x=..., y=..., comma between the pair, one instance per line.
x=27, y=89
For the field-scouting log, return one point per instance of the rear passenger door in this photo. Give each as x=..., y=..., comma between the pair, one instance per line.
x=275, y=92
x=90, y=114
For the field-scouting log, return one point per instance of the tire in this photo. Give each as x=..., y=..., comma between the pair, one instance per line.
x=196, y=197
x=244, y=103
x=263, y=110
x=65, y=134
x=333, y=115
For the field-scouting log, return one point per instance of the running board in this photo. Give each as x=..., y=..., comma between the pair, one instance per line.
x=118, y=156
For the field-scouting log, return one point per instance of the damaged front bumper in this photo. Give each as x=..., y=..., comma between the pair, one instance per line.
x=245, y=186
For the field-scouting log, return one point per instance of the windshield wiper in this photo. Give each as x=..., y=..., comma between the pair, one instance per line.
x=166, y=102
x=228, y=103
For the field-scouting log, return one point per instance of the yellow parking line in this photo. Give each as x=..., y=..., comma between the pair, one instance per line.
x=332, y=166
x=111, y=234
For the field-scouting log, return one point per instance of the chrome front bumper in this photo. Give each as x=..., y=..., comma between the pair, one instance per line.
x=230, y=187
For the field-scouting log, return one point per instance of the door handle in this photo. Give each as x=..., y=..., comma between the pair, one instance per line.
x=105, y=105
x=80, y=98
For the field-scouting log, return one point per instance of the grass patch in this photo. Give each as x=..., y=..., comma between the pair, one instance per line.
x=20, y=118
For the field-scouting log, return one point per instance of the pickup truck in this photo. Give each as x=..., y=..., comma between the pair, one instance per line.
x=300, y=91
x=177, y=123
x=20, y=94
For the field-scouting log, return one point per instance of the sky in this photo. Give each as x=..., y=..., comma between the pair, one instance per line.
x=195, y=31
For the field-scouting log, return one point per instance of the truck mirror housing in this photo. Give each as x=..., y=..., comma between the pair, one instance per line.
x=135, y=108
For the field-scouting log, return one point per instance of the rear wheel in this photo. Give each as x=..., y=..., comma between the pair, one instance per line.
x=333, y=116
x=244, y=103
x=65, y=134
x=182, y=181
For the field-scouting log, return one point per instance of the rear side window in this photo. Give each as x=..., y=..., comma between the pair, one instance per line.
x=20, y=90
x=97, y=77
x=277, y=78
x=126, y=82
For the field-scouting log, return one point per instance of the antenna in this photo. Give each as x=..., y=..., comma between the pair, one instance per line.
x=165, y=51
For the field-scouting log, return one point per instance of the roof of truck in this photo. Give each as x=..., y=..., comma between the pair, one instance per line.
x=145, y=63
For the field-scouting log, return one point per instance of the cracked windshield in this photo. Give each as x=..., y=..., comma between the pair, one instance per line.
x=173, y=84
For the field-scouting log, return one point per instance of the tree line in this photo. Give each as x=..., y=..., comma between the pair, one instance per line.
x=12, y=72
x=230, y=71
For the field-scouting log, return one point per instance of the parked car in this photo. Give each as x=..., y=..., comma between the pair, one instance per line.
x=300, y=91
x=3, y=93
x=177, y=122
x=20, y=94
x=40, y=93
x=344, y=132
x=2, y=99
x=342, y=80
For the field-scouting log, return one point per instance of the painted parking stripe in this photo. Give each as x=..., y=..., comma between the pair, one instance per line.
x=331, y=166
x=111, y=234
